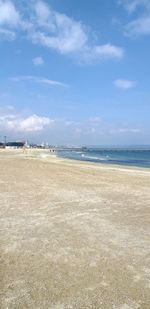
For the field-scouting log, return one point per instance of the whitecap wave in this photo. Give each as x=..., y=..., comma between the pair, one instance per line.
x=94, y=158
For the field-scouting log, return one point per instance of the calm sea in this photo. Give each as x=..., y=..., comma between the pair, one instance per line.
x=128, y=157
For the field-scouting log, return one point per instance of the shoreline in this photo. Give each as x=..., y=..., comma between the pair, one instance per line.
x=45, y=155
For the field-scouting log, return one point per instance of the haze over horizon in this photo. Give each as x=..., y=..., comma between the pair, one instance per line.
x=75, y=72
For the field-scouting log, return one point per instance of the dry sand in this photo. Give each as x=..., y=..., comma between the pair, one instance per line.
x=72, y=234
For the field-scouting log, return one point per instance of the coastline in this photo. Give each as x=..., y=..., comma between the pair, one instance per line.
x=45, y=155
x=119, y=157
x=74, y=234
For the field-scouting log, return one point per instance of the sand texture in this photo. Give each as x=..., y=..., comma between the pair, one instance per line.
x=73, y=234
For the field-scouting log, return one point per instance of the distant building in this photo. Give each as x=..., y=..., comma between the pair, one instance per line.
x=15, y=144
x=2, y=145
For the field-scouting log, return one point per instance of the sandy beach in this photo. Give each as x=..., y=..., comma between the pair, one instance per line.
x=73, y=234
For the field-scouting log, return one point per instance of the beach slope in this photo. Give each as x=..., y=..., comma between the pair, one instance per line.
x=73, y=234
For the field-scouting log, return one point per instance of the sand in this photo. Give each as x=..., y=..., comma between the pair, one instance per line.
x=73, y=234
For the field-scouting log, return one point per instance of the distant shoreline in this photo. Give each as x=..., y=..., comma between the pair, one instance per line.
x=49, y=157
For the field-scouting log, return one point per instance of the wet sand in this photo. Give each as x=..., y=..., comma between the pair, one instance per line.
x=73, y=234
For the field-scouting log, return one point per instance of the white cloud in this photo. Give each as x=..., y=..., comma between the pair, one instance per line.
x=15, y=122
x=54, y=30
x=60, y=130
x=39, y=80
x=42, y=12
x=68, y=38
x=100, y=53
x=138, y=26
x=124, y=83
x=9, y=16
x=38, y=61
x=108, y=51
x=34, y=123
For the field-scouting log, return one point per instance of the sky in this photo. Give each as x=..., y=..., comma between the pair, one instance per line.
x=75, y=72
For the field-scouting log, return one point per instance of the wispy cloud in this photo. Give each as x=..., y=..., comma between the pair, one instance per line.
x=109, y=51
x=38, y=61
x=7, y=34
x=61, y=130
x=55, y=30
x=68, y=36
x=39, y=80
x=125, y=131
x=59, y=32
x=141, y=24
x=129, y=130
x=124, y=83
x=132, y=5
x=99, y=53
x=95, y=120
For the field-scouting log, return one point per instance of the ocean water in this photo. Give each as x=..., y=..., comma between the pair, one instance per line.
x=128, y=157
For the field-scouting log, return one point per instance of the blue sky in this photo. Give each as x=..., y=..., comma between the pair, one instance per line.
x=75, y=72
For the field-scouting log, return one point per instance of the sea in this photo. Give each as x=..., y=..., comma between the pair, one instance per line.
x=126, y=157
